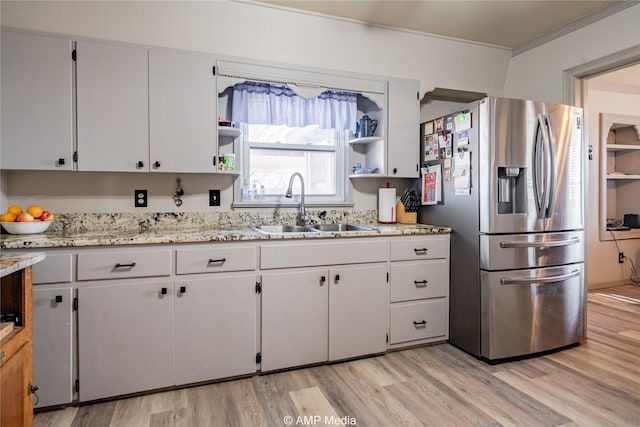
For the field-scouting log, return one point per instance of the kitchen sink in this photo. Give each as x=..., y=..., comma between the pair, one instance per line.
x=341, y=227
x=280, y=229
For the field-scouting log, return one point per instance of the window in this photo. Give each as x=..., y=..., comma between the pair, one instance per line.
x=286, y=133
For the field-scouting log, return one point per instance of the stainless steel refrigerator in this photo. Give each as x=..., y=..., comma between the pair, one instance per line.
x=517, y=247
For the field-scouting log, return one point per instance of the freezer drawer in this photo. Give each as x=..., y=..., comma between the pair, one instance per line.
x=512, y=251
x=529, y=311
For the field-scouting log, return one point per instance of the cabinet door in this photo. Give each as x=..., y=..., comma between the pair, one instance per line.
x=52, y=345
x=37, y=110
x=294, y=318
x=182, y=112
x=403, y=146
x=16, y=407
x=125, y=338
x=112, y=107
x=358, y=304
x=215, y=328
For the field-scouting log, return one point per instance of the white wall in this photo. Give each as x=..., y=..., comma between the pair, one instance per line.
x=241, y=29
x=602, y=257
x=538, y=73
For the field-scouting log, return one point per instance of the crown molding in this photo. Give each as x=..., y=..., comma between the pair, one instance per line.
x=595, y=16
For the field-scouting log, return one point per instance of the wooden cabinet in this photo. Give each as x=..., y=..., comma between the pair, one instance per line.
x=419, y=294
x=112, y=107
x=403, y=146
x=37, y=102
x=16, y=405
x=619, y=173
x=215, y=327
x=125, y=337
x=182, y=112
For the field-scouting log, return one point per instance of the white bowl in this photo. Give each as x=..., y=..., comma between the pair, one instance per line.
x=26, y=227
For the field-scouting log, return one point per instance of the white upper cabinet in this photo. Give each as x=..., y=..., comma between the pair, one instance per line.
x=182, y=112
x=37, y=106
x=403, y=145
x=112, y=107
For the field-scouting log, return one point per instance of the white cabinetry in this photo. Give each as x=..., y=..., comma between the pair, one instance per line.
x=112, y=107
x=619, y=171
x=37, y=102
x=182, y=111
x=215, y=327
x=319, y=314
x=403, y=140
x=125, y=337
x=419, y=296
x=53, y=365
x=295, y=318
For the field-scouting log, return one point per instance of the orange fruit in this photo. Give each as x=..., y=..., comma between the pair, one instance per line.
x=35, y=211
x=8, y=217
x=15, y=209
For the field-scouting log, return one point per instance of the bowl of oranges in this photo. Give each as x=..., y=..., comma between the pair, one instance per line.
x=33, y=220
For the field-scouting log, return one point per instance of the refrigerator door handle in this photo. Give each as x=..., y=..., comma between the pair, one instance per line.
x=508, y=244
x=550, y=158
x=538, y=167
x=550, y=279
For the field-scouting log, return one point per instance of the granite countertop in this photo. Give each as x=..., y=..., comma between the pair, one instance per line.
x=10, y=263
x=194, y=235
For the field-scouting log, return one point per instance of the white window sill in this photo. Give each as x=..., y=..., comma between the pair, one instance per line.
x=292, y=205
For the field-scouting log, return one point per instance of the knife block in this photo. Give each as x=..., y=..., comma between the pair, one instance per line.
x=405, y=217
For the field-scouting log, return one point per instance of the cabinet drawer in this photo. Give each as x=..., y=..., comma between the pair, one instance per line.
x=215, y=259
x=412, y=280
x=323, y=253
x=55, y=268
x=419, y=320
x=123, y=264
x=420, y=248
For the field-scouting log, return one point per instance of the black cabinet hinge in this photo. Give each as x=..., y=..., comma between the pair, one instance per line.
x=258, y=287
x=75, y=304
x=258, y=357
x=213, y=70
x=387, y=338
x=387, y=277
x=74, y=55
x=75, y=156
x=418, y=96
x=76, y=386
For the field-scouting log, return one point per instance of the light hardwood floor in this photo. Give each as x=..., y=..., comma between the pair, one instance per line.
x=594, y=384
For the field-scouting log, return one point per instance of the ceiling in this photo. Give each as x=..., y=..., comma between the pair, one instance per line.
x=508, y=23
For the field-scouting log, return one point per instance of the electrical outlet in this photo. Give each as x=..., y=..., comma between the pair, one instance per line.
x=140, y=198
x=621, y=257
x=214, y=197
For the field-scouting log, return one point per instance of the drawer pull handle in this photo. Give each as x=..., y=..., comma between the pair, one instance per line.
x=323, y=279
x=58, y=299
x=337, y=277
x=183, y=289
x=163, y=291
x=420, y=324
x=420, y=283
x=129, y=265
x=216, y=261
x=420, y=251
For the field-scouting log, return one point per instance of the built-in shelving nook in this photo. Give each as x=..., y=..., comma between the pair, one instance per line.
x=619, y=173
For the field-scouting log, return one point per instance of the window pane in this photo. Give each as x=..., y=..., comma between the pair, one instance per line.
x=309, y=135
x=273, y=169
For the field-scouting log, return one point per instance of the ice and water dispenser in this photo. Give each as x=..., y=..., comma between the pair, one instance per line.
x=512, y=191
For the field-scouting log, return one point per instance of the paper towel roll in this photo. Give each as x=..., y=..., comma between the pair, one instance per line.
x=387, y=205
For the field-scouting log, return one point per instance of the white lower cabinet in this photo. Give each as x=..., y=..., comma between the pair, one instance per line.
x=125, y=338
x=215, y=327
x=53, y=344
x=295, y=318
x=317, y=314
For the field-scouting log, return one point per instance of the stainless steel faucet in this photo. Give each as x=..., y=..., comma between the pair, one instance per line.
x=301, y=218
